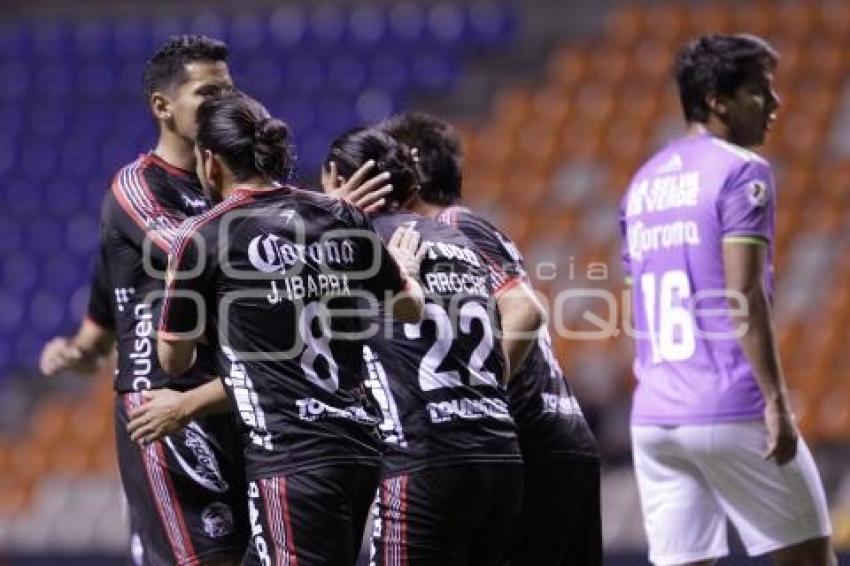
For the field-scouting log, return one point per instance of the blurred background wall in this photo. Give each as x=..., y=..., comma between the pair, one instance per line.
x=558, y=103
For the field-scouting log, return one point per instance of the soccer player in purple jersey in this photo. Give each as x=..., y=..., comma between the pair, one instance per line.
x=713, y=433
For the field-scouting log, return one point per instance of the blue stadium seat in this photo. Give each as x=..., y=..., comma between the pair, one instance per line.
x=14, y=80
x=11, y=310
x=11, y=235
x=15, y=40
x=407, y=21
x=93, y=41
x=28, y=348
x=83, y=235
x=389, y=71
x=367, y=25
x=248, y=34
x=346, y=74
x=287, y=26
x=46, y=313
x=62, y=198
x=212, y=24
x=51, y=41
x=491, y=22
x=133, y=40
x=38, y=158
x=305, y=74
x=20, y=271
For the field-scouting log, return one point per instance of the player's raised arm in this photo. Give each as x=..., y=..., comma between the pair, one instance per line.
x=408, y=304
x=744, y=262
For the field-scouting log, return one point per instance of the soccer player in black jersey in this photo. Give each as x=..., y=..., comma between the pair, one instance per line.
x=272, y=277
x=561, y=521
x=451, y=484
x=185, y=493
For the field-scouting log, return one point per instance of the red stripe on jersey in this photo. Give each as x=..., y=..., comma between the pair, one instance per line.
x=141, y=205
x=403, y=520
x=189, y=228
x=163, y=494
x=507, y=286
x=287, y=523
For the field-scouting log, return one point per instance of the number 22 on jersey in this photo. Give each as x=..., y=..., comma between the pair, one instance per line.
x=668, y=320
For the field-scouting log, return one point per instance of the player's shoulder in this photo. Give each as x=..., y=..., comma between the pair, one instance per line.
x=206, y=225
x=309, y=200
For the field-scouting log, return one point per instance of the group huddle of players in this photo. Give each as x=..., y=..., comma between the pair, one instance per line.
x=289, y=360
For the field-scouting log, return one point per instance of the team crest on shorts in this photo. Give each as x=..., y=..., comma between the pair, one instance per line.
x=217, y=520
x=757, y=193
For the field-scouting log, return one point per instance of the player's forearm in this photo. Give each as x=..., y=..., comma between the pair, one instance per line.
x=522, y=316
x=408, y=305
x=94, y=344
x=207, y=399
x=759, y=346
x=175, y=357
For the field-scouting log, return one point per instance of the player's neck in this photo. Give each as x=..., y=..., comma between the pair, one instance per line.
x=419, y=206
x=254, y=184
x=176, y=152
x=714, y=128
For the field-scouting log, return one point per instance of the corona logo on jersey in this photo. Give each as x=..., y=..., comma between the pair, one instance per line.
x=270, y=253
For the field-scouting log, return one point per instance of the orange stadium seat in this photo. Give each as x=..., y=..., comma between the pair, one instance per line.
x=710, y=17
x=625, y=26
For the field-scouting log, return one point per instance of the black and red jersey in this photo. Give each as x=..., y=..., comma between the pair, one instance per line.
x=550, y=422
x=275, y=280
x=440, y=382
x=140, y=215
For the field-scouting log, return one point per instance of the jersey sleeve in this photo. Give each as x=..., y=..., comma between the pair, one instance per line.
x=100, y=298
x=188, y=287
x=747, y=203
x=142, y=217
x=505, y=264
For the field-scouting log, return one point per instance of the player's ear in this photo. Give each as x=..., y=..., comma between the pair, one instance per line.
x=212, y=168
x=716, y=103
x=160, y=106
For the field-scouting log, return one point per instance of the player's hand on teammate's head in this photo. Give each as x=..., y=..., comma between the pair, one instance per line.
x=161, y=414
x=364, y=192
x=782, y=434
x=58, y=355
x=404, y=246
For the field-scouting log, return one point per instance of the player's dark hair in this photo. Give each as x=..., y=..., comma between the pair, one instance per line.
x=354, y=148
x=241, y=131
x=167, y=68
x=718, y=64
x=438, y=151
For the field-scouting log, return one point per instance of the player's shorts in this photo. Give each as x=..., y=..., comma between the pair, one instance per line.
x=447, y=516
x=561, y=523
x=186, y=493
x=692, y=478
x=311, y=518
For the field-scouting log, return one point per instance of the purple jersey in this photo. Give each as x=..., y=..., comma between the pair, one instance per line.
x=680, y=207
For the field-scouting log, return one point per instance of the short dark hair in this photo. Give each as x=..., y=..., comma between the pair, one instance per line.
x=167, y=67
x=242, y=132
x=719, y=64
x=439, y=153
x=355, y=147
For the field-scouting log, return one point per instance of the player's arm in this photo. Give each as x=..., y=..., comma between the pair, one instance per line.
x=166, y=411
x=746, y=209
x=522, y=317
x=745, y=262
x=91, y=346
x=183, y=318
x=362, y=190
x=82, y=353
x=408, y=303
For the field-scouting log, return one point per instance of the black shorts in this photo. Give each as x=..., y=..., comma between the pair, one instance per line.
x=561, y=523
x=459, y=515
x=186, y=493
x=311, y=518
